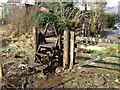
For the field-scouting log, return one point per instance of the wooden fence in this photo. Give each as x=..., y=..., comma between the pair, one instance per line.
x=68, y=56
x=0, y=75
x=72, y=43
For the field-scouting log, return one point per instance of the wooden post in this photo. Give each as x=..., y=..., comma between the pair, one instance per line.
x=60, y=46
x=35, y=36
x=0, y=75
x=72, y=41
x=83, y=31
x=66, y=48
x=88, y=34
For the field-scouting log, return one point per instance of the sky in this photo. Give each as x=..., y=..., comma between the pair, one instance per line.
x=112, y=3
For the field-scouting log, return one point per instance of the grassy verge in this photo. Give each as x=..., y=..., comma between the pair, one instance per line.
x=111, y=51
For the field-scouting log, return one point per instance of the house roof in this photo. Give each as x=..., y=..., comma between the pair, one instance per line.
x=19, y=1
x=14, y=1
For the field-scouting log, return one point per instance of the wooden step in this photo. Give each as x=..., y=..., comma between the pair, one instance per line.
x=51, y=45
x=41, y=54
x=51, y=41
x=51, y=38
x=48, y=36
x=46, y=51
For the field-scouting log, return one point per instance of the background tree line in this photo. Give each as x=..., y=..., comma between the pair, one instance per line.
x=66, y=16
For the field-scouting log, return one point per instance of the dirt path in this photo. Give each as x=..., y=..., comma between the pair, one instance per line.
x=111, y=34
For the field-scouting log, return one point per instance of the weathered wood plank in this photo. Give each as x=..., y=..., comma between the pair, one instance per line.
x=0, y=75
x=45, y=31
x=72, y=49
x=48, y=45
x=35, y=36
x=66, y=48
x=83, y=31
x=90, y=62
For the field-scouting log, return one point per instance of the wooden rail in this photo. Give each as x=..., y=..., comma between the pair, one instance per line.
x=70, y=43
x=100, y=40
x=0, y=75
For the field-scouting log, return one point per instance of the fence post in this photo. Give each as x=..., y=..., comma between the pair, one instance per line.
x=0, y=75
x=35, y=34
x=83, y=31
x=60, y=49
x=72, y=41
x=66, y=48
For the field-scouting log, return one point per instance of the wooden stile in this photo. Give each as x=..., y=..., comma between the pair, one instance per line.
x=35, y=34
x=72, y=49
x=0, y=75
x=66, y=48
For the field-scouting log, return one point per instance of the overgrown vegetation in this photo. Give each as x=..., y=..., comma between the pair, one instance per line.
x=110, y=20
x=22, y=22
x=19, y=20
x=67, y=16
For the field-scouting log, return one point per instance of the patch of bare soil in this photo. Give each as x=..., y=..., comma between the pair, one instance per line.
x=103, y=73
x=93, y=78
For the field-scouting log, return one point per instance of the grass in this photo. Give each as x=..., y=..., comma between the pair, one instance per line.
x=109, y=62
x=103, y=64
x=102, y=68
x=107, y=65
x=111, y=50
x=8, y=48
x=107, y=52
x=86, y=79
x=16, y=38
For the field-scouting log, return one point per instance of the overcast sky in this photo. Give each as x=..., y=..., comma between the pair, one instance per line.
x=112, y=3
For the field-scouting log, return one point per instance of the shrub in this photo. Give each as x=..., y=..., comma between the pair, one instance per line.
x=110, y=20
